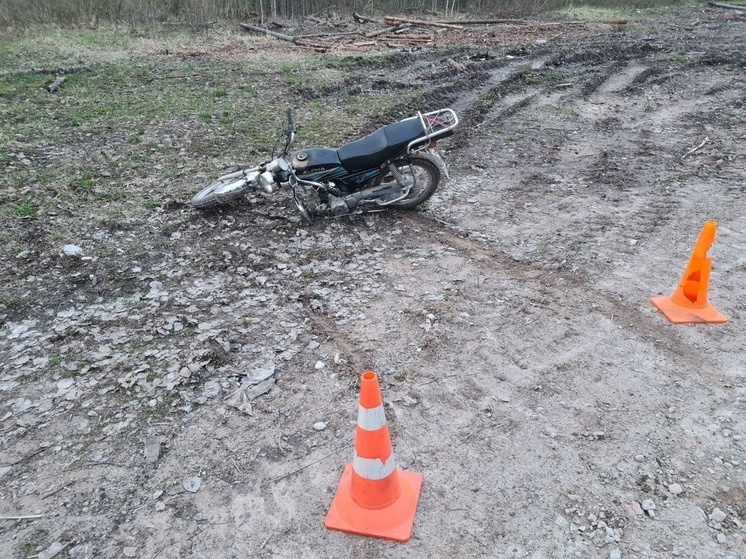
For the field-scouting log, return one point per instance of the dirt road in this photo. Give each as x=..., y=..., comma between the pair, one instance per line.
x=525, y=373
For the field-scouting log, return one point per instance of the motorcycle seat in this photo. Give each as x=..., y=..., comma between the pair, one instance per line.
x=380, y=146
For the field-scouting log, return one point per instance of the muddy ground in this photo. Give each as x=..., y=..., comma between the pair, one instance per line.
x=525, y=373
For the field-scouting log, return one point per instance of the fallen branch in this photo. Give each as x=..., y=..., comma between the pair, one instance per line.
x=398, y=21
x=691, y=151
x=332, y=453
x=727, y=6
x=55, y=85
x=456, y=65
x=362, y=19
x=29, y=517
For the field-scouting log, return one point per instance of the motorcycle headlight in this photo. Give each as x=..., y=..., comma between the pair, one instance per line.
x=266, y=181
x=279, y=164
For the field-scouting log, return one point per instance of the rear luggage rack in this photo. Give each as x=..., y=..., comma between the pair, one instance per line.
x=436, y=124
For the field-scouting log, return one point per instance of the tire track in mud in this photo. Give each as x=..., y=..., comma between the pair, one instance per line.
x=505, y=266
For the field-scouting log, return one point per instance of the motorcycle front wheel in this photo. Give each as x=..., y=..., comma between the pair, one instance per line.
x=209, y=198
x=426, y=177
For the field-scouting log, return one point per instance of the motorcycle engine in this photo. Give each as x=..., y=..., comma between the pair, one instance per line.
x=338, y=206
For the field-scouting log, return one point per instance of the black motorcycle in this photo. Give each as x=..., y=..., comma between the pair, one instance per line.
x=395, y=166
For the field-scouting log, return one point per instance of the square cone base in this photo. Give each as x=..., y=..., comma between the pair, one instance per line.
x=393, y=522
x=688, y=315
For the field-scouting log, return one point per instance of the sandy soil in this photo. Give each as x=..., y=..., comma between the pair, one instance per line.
x=525, y=373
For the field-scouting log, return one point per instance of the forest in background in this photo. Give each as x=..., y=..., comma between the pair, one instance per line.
x=76, y=12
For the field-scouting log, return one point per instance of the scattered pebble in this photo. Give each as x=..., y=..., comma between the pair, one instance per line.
x=717, y=515
x=192, y=484
x=675, y=489
x=72, y=250
x=649, y=507
x=319, y=426
x=319, y=365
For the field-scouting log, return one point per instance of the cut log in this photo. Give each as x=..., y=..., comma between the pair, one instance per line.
x=330, y=34
x=398, y=21
x=264, y=31
x=727, y=6
x=483, y=21
x=319, y=47
x=384, y=31
x=55, y=85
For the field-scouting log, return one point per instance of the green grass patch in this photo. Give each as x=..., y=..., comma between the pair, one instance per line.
x=25, y=209
x=140, y=123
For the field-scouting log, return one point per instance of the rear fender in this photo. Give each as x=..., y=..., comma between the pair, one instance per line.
x=434, y=157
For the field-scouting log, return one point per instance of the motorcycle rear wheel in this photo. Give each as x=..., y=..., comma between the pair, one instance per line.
x=207, y=198
x=426, y=177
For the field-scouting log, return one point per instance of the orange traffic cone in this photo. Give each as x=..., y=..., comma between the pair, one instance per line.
x=689, y=301
x=374, y=497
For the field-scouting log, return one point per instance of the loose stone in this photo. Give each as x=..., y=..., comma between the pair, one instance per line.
x=718, y=515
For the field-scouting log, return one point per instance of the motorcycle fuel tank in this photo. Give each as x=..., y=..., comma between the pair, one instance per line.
x=317, y=163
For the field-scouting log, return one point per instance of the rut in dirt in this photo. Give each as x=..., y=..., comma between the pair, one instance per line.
x=574, y=286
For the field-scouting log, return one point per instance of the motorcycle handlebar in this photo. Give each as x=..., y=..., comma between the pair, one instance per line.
x=291, y=122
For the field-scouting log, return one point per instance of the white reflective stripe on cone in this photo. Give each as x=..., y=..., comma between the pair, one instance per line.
x=374, y=468
x=371, y=419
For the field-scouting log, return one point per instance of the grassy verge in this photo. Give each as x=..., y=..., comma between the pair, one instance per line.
x=152, y=116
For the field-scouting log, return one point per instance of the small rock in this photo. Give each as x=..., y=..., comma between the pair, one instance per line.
x=319, y=426
x=675, y=489
x=52, y=551
x=319, y=365
x=722, y=538
x=718, y=515
x=72, y=250
x=192, y=484
x=152, y=449
x=615, y=554
x=647, y=505
x=160, y=506
x=639, y=458
x=65, y=383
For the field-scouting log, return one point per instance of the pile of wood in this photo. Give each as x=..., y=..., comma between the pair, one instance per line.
x=394, y=32
x=390, y=32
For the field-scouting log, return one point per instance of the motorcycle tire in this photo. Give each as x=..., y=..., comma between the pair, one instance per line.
x=426, y=179
x=207, y=198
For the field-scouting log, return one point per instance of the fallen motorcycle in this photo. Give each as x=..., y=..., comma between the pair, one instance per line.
x=395, y=166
